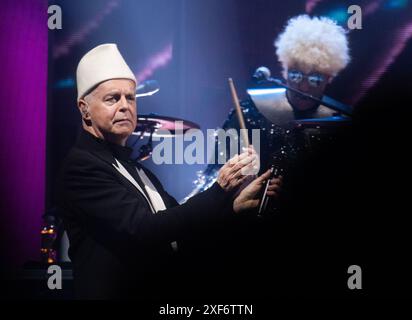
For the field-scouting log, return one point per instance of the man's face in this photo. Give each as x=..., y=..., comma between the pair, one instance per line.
x=111, y=109
x=307, y=80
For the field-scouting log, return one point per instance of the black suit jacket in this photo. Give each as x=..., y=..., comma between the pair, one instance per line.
x=118, y=247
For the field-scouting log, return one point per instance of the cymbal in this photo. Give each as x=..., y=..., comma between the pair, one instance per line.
x=162, y=126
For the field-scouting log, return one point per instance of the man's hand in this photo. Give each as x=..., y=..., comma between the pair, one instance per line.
x=237, y=169
x=248, y=197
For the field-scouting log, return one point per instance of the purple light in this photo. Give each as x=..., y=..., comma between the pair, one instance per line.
x=367, y=9
x=23, y=93
x=400, y=40
x=78, y=37
x=371, y=7
x=158, y=60
x=311, y=4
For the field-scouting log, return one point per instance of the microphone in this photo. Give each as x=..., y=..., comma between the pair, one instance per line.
x=261, y=73
x=147, y=88
x=324, y=100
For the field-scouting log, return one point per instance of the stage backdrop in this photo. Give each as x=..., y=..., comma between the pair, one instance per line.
x=190, y=47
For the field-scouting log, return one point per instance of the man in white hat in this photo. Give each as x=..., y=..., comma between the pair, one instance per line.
x=122, y=225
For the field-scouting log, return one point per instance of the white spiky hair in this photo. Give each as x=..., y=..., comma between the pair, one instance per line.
x=313, y=42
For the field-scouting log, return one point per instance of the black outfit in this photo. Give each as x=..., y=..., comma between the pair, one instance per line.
x=118, y=247
x=280, y=253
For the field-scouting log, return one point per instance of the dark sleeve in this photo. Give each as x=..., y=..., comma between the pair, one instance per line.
x=94, y=194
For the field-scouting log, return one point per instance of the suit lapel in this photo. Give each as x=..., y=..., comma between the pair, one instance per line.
x=122, y=170
x=97, y=147
x=87, y=142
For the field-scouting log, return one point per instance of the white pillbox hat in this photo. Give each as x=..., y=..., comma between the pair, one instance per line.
x=102, y=63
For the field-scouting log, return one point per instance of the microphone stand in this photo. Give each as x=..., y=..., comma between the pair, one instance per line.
x=325, y=100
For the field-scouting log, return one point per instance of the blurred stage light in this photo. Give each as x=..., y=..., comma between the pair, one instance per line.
x=64, y=83
x=340, y=15
x=396, y=4
x=260, y=92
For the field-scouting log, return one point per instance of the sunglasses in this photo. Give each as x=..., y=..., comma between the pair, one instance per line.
x=314, y=79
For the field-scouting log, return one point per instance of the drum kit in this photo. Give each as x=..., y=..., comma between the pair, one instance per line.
x=153, y=125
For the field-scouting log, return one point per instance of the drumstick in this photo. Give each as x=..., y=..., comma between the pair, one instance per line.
x=239, y=113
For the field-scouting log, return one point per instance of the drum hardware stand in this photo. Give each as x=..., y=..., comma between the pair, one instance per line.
x=147, y=149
